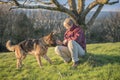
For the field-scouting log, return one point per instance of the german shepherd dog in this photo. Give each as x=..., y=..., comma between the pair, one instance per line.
x=37, y=47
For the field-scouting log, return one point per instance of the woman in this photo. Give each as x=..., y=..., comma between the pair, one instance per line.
x=74, y=43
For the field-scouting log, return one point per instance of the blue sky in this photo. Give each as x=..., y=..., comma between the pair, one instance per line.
x=115, y=7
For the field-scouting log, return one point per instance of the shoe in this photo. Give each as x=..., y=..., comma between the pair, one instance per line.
x=75, y=64
x=68, y=61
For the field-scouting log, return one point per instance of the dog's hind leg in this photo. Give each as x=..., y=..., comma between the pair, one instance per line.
x=38, y=58
x=19, y=63
x=18, y=56
x=23, y=57
x=47, y=58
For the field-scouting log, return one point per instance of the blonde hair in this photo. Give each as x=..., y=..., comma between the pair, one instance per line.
x=68, y=21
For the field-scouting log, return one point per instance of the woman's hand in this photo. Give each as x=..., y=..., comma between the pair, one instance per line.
x=59, y=42
x=65, y=41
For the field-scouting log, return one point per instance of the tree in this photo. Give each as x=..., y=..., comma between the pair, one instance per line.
x=4, y=20
x=112, y=27
x=77, y=8
x=47, y=21
x=106, y=31
x=22, y=28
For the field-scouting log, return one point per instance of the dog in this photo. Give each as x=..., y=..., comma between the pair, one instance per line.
x=37, y=47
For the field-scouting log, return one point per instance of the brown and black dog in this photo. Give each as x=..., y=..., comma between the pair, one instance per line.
x=37, y=47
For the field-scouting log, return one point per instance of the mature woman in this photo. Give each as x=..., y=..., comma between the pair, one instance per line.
x=74, y=43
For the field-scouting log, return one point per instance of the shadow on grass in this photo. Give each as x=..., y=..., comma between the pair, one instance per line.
x=57, y=61
x=94, y=59
x=100, y=59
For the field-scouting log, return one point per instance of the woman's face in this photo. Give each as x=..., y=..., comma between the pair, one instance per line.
x=66, y=25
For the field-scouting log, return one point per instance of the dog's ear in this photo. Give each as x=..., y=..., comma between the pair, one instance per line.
x=55, y=32
x=51, y=34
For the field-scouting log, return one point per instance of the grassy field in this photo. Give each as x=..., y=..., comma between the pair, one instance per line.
x=102, y=62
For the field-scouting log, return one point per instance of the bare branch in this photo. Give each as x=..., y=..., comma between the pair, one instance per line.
x=24, y=2
x=57, y=4
x=46, y=3
x=64, y=9
x=112, y=3
x=72, y=5
x=102, y=1
x=65, y=3
x=91, y=21
x=107, y=2
x=58, y=7
x=90, y=6
x=6, y=2
x=77, y=10
x=27, y=6
x=34, y=7
x=81, y=6
x=2, y=2
x=16, y=2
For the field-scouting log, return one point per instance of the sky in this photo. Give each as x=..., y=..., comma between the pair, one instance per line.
x=115, y=7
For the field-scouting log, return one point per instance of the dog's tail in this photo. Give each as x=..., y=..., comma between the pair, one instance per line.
x=9, y=46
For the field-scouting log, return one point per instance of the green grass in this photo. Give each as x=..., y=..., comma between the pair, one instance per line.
x=102, y=62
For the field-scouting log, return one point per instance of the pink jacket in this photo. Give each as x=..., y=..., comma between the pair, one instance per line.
x=76, y=33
